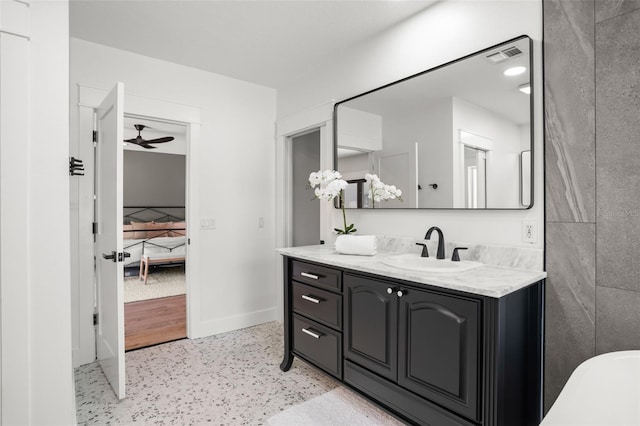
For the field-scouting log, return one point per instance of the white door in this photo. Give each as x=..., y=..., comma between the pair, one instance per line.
x=399, y=168
x=109, y=248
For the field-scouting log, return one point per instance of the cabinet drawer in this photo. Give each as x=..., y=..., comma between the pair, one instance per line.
x=320, y=305
x=318, y=344
x=319, y=276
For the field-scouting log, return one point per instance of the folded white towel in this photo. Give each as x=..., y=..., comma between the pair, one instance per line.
x=365, y=245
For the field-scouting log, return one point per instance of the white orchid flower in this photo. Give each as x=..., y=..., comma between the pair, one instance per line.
x=379, y=191
x=328, y=185
x=315, y=179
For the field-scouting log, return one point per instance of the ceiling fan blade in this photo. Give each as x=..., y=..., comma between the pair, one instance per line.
x=134, y=140
x=161, y=140
x=145, y=145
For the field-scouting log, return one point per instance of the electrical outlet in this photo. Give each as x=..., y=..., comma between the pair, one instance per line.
x=529, y=232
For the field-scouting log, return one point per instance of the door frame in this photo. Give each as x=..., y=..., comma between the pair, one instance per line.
x=320, y=117
x=82, y=264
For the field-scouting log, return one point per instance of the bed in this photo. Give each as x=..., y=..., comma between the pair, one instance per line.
x=153, y=230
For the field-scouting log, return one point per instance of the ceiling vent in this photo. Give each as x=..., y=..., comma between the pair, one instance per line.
x=512, y=51
x=504, y=54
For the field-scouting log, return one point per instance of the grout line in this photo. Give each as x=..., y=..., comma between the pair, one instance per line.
x=595, y=188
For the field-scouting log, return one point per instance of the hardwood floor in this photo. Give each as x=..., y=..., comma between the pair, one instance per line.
x=149, y=322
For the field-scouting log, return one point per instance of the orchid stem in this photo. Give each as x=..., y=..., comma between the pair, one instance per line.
x=344, y=215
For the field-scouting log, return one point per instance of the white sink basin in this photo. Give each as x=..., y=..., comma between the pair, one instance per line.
x=414, y=262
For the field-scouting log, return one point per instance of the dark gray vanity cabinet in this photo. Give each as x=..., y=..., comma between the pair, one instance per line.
x=425, y=341
x=313, y=305
x=438, y=351
x=371, y=325
x=430, y=356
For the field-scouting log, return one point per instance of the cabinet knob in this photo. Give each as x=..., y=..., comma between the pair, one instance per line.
x=400, y=293
x=389, y=290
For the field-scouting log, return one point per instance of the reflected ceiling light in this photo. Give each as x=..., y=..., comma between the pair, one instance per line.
x=510, y=72
x=525, y=88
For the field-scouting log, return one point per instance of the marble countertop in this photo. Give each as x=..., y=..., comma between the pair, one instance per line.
x=486, y=280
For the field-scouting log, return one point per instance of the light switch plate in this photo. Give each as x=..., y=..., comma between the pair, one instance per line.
x=207, y=223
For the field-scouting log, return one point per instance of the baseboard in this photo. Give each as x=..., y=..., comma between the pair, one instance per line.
x=236, y=322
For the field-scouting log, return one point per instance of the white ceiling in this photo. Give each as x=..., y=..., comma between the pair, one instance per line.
x=266, y=42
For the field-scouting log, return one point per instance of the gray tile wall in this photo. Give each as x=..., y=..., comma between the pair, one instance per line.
x=592, y=172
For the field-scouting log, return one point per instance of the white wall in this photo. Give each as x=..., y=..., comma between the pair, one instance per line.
x=236, y=180
x=37, y=374
x=359, y=130
x=443, y=32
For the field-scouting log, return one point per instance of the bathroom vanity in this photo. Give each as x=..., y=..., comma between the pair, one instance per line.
x=432, y=348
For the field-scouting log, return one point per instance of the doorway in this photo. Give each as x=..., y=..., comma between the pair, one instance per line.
x=154, y=232
x=85, y=295
x=475, y=177
x=305, y=215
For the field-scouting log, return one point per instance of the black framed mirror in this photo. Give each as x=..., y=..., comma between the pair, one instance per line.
x=451, y=137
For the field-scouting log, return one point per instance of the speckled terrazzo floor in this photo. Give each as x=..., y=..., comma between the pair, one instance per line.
x=228, y=379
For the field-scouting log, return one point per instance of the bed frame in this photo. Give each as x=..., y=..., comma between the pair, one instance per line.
x=158, y=214
x=152, y=214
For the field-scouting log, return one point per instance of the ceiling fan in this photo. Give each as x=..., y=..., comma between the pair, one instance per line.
x=145, y=143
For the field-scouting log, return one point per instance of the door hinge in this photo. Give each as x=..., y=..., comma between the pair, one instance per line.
x=95, y=136
x=189, y=241
x=75, y=167
x=94, y=227
x=95, y=319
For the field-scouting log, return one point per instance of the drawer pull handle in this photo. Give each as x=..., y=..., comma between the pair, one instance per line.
x=313, y=334
x=308, y=275
x=311, y=299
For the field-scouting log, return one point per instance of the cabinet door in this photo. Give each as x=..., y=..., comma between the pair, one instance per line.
x=439, y=349
x=370, y=325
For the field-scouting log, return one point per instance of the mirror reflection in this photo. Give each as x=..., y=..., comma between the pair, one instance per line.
x=457, y=136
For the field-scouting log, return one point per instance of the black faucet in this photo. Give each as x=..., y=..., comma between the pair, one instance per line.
x=425, y=252
x=440, y=254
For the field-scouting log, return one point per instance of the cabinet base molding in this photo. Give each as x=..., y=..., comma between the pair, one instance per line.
x=388, y=394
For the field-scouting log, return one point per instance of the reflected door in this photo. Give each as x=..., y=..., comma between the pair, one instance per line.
x=475, y=177
x=399, y=168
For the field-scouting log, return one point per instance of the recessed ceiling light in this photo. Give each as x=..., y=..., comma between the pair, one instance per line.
x=510, y=72
x=525, y=88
